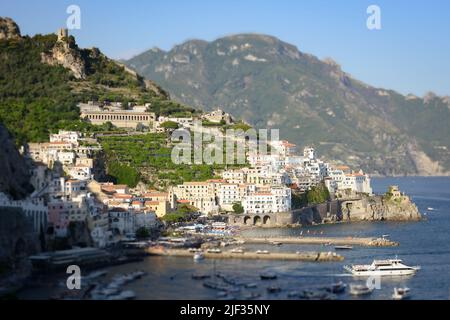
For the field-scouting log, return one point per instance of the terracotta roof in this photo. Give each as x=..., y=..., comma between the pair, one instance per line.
x=119, y=186
x=183, y=201
x=156, y=194
x=122, y=196
x=342, y=167
x=151, y=203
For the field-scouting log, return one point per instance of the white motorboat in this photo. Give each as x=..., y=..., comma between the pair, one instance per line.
x=199, y=256
x=390, y=267
x=401, y=294
x=360, y=289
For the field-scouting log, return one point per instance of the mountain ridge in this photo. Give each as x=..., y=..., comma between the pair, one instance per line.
x=270, y=83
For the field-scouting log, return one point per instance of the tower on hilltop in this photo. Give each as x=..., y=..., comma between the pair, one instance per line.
x=62, y=34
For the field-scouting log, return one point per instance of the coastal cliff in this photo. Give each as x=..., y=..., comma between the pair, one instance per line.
x=392, y=206
x=14, y=171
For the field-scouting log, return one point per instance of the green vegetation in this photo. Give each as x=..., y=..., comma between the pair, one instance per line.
x=37, y=99
x=123, y=174
x=183, y=213
x=172, y=217
x=169, y=125
x=142, y=233
x=238, y=208
x=316, y=195
x=147, y=157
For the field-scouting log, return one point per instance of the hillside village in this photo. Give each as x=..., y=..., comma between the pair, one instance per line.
x=67, y=192
x=76, y=192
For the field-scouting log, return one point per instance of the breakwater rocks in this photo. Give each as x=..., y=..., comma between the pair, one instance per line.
x=309, y=256
x=368, y=242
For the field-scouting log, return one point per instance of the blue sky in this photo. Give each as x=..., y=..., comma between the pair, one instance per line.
x=411, y=53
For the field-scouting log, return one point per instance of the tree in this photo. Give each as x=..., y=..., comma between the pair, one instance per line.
x=169, y=125
x=318, y=194
x=174, y=217
x=238, y=208
x=142, y=233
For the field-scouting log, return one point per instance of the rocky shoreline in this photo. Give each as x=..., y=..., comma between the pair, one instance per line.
x=392, y=206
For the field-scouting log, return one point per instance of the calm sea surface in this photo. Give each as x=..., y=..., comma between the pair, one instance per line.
x=425, y=243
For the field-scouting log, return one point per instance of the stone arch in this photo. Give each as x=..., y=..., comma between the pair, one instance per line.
x=247, y=220
x=266, y=220
x=256, y=220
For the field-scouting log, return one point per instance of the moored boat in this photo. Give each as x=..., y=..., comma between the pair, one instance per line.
x=338, y=287
x=401, y=294
x=390, y=267
x=360, y=289
x=199, y=256
x=345, y=247
x=268, y=276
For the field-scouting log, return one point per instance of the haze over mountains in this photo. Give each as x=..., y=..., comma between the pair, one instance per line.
x=271, y=84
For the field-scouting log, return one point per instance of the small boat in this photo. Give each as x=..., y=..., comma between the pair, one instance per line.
x=430, y=209
x=237, y=250
x=221, y=294
x=401, y=294
x=262, y=252
x=268, y=276
x=250, y=285
x=390, y=267
x=199, y=256
x=276, y=243
x=127, y=295
x=307, y=294
x=215, y=250
x=273, y=289
x=200, y=276
x=215, y=285
x=336, y=288
x=360, y=289
x=345, y=247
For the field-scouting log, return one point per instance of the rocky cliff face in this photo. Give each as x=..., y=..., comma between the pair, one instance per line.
x=17, y=242
x=14, y=172
x=70, y=58
x=380, y=208
x=9, y=29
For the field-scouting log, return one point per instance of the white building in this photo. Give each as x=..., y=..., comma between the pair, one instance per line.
x=278, y=199
x=121, y=221
x=65, y=136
